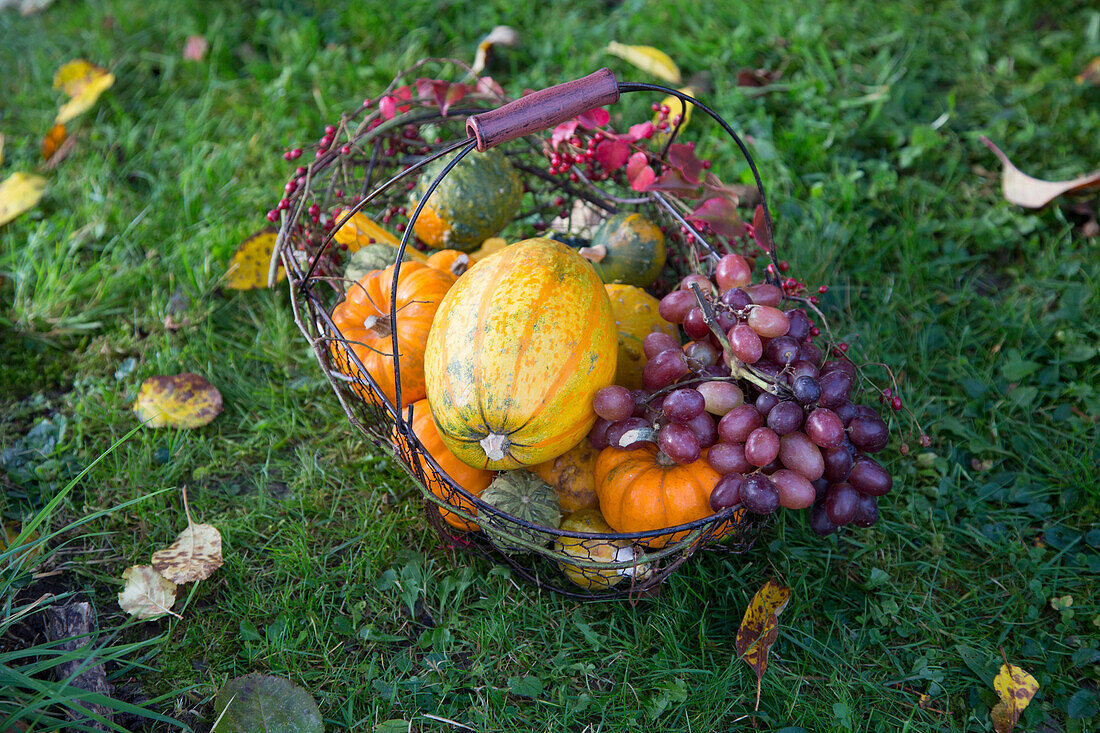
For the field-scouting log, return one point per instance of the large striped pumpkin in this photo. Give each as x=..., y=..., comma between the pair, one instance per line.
x=518, y=348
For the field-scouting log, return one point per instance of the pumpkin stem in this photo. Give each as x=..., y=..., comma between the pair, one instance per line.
x=663, y=460
x=377, y=326
x=495, y=446
x=593, y=254
x=460, y=265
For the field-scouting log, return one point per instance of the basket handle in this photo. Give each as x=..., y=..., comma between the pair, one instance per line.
x=543, y=109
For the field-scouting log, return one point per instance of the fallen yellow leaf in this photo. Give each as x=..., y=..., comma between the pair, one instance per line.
x=19, y=192
x=250, y=263
x=72, y=77
x=146, y=594
x=1033, y=193
x=195, y=555
x=84, y=100
x=177, y=401
x=1015, y=687
x=649, y=59
x=760, y=628
x=1090, y=74
x=501, y=35
x=675, y=111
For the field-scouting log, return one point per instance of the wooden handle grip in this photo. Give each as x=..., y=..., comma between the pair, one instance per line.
x=543, y=109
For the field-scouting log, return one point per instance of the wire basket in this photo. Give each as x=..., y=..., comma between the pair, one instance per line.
x=369, y=162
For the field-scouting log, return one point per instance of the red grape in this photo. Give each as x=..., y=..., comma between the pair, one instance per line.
x=869, y=434
x=845, y=411
x=805, y=389
x=735, y=298
x=765, y=401
x=735, y=425
x=765, y=294
x=761, y=447
x=767, y=321
x=808, y=352
x=678, y=443
x=733, y=271
x=759, y=495
x=617, y=430
x=674, y=307
x=841, y=502
x=728, y=458
x=701, y=353
x=704, y=428
x=819, y=520
x=694, y=325
x=704, y=283
x=684, y=405
x=838, y=463
x=800, y=324
x=798, y=453
x=727, y=492
x=866, y=511
x=843, y=365
x=795, y=490
x=721, y=397
x=836, y=386
x=597, y=436
x=745, y=343
x=868, y=477
x=657, y=341
x=640, y=405
x=786, y=417
x=613, y=403
x=824, y=428
x=664, y=369
x=782, y=350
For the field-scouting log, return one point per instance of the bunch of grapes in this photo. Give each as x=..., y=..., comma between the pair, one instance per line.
x=752, y=395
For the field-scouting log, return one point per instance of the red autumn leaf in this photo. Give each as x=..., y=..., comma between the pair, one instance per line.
x=738, y=193
x=443, y=92
x=594, y=118
x=638, y=172
x=563, y=132
x=487, y=85
x=673, y=182
x=640, y=131
x=682, y=158
x=721, y=214
x=390, y=105
x=760, y=230
x=612, y=154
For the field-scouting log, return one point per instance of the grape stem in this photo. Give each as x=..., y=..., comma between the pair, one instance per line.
x=738, y=368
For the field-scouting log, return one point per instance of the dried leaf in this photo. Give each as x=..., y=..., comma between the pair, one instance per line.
x=83, y=82
x=649, y=59
x=501, y=35
x=146, y=594
x=682, y=158
x=721, y=214
x=258, y=703
x=1, y=148
x=250, y=263
x=1015, y=687
x=195, y=555
x=52, y=141
x=19, y=192
x=760, y=627
x=195, y=48
x=1033, y=193
x=360, y=230
x=177, y=401
x=1090, y=74
x=582, y=221
x=757, y=77
x=760, y=230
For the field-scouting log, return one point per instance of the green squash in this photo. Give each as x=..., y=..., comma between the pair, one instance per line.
x=368, y=258
x=627, y=249
x=524, y=496
x=473, y=202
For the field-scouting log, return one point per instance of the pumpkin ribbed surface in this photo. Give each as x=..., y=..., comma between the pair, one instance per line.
x=636, y=317
x=364, y=321
x=473, y=480
x=639, y=494
x=520, y=345
x=474, y=201
x=572, y=474
x=525, y=497
x=627, y=248
x=594, y=550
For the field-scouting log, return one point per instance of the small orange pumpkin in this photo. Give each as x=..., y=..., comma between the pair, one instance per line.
x=474, y=480
x=450, y=261
x=642, y=490
x=364, y=321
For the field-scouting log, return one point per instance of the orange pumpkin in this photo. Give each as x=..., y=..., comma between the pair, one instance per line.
x=642, y=490
x=450, y=261
x=474, y=480
x=520, y=345
x=364, y=320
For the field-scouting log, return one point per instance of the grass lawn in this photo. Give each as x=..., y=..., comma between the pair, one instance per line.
x=869, y=145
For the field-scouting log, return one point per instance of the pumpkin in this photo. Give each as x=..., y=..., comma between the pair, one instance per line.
x=523, y=496
x=642, y=490
x=419, y=418
x=488, y=247
x=572, y=474
x=371, y=257
x=450, y=260
x=636, y=317
x=363, y=318
x=627, y=248
x=360, y=231
x=474, y=201
x=520, y=346
x=594, y=550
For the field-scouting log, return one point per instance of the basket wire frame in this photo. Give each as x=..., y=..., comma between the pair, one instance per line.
x=370, y=411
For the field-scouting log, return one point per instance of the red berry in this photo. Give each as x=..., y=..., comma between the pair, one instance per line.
x=330, y=129
x=784, y=265
x=284, y=204
x=295, y=153
x=345, y=150
x=273, y=216
x=842, y=347
x=925, y=441
x=895, y=404
x=823, y=289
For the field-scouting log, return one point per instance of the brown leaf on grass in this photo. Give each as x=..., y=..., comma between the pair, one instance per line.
x=83, y=82
x=1015, y=687
x=177, y=401
x=760, y=627
x=19, y=192
x=195, y=48
x=55, y=137
x=250, y=263
x=195, y=555
x=1090, y=74
x=147, y=594
x=1033, y=193
x=757, y=77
